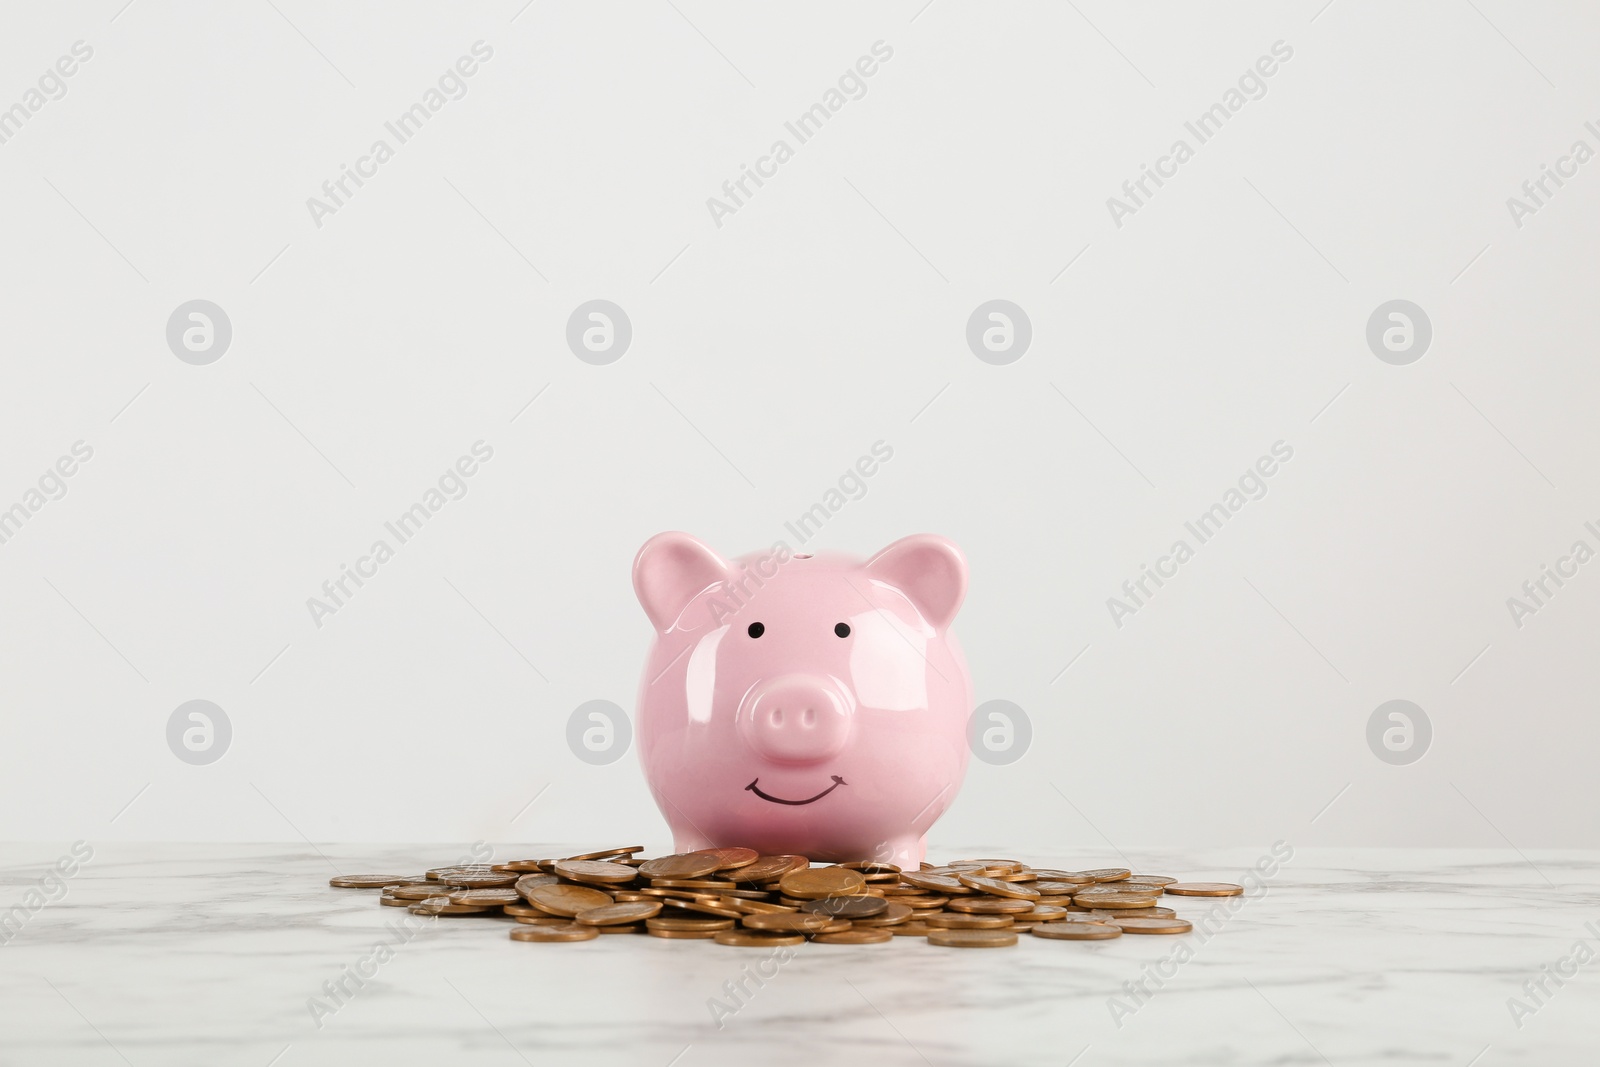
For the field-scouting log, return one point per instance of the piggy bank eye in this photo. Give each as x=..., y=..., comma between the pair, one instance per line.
x=756, y=629
x=843, y=629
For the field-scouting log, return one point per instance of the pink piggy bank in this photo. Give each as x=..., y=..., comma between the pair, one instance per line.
x=808, y=704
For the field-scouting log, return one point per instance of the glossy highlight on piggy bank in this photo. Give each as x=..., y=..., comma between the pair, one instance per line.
x=806, y=704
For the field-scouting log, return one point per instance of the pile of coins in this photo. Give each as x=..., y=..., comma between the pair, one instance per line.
x=734, y=896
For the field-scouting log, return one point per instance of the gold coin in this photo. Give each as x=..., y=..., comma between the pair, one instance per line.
x=484, y=896
x=595, y=871
x=1069, y=877
x=702, y=907
x=856, y=935
x=608, y=853
x=1153, y=926
x=1151, y=879
x=415, y=891
x=997, y=886
x=524, y=909
x=690, y=883
x=1077, y=931
x=749, y=907
x=972, y=938
x=1205, y=889
x=683, y=865
x=520, y=866
x=1059, y=888
x=1115, y=900
x=991, y=905
x=1042, y=913
x=944, y=883
x=1137, y=913
x=755, y=939
x=862, y=907
x=442, y=906
x=542, y=919
x=681, y=935
x=462, y=868
x=768, y=869
x=880, y=874
x=567, y=900
x=478, y=879
x=564, y=932
x=527, y=882
x=1106, y=874
x=707, y=925
x=1003, y=865
x=668, y=894
x=991, y=868
x=818, y=882
x=915, y=928
x=789, y=922
x=437, y=900
x=743, y=907
x=893, y=915
x=612, y=914
x=369, y=881
x=393, y=902
x=730, y=858
x=1116, y=887
x=948, y=921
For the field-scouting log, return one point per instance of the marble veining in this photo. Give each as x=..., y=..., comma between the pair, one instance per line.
x=216, y=954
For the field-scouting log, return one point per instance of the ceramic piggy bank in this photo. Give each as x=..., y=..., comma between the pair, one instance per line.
x=805, y=704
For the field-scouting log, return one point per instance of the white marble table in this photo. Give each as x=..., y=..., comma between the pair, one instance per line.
x=185, y=954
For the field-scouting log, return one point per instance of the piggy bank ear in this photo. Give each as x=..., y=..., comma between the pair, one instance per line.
x=929, y=570
x=671, y=570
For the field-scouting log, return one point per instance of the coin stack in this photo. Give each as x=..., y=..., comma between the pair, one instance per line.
x=734, y=896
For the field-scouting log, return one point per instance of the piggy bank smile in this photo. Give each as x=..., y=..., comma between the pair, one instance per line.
x=752, y=787
x=814, y=705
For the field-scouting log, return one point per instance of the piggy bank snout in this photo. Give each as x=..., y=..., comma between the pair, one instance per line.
x=797, y=719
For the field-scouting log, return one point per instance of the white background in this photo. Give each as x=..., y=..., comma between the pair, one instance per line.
x=768, y=354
